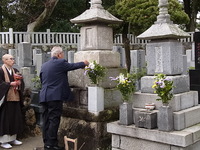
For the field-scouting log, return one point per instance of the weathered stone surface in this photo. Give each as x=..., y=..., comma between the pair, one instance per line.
x=164, y=56
x=28, y=73
x=176, y=138
x=163, y=31
x=116, y=141
x=2, y=52
x=108, y=59
x=128, y=143
x=96, y=37
x=165, y=118
x=196, y=132
x=137, y=60
x=145, y=119
x=25, y=54
x=179, y=101
x=186, y=118
x=126, y=114
x=181, y=83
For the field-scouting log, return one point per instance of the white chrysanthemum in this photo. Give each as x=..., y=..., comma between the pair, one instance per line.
x=92, y=65
x=121, y=78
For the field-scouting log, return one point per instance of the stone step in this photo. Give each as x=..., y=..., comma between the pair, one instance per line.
x=186, y=118
x=181, y=83
x=183, y=138
x=179, y=102
x=182, y=119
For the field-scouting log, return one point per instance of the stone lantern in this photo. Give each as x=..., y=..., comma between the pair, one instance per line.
x=164, y=51
x=96, y=36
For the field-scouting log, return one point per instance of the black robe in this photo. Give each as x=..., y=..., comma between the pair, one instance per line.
x=11, y=120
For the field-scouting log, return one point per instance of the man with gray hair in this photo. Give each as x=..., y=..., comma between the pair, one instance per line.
x=55, y=90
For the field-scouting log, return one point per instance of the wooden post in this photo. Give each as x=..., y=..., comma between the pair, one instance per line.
x=66, y=139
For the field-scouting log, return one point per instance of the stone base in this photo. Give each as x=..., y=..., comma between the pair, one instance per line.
x=179, y=101
x=78, y=79
x=165, y=119
x=95, y=99
x=126, y=114
x=181, y=83
x=132, y=138
x=145, y=119
x=106, y=58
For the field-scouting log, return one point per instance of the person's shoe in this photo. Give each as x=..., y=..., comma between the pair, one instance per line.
x=46, y=147
x=16, y=142
x=6, y=145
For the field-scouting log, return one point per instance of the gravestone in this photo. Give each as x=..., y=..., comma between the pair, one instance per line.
x=195, y=74
x=25, y=54
x=2, y=52
x=36, y=51
x=137, y=60
x=71, y=56
x=121, y=51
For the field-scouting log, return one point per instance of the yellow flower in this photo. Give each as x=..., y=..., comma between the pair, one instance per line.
x=153, y=86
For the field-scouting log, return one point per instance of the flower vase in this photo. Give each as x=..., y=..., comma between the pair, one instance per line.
x=95, y=99
x=126, y=114
x=165, y=118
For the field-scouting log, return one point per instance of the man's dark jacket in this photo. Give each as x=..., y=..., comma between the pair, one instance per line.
x=54, y=79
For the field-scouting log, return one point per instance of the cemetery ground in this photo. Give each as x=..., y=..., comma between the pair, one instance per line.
x=29, y=143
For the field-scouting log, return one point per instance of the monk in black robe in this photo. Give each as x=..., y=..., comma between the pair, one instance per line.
x=11, y=120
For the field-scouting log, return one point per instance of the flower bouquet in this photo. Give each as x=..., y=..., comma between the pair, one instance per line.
x=163, y=86
x=95, y=72
x=125, y=84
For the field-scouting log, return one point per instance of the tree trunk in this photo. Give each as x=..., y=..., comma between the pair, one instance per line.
x=191, y=9
x=126, y=43
x=49, y=7
x=1, y=20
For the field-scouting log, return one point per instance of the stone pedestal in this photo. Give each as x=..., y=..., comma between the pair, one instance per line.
x=181, y=83
x=106, y=58
x=165, y=119
x=145, y=119
x=133, y=138
x=125, y=114
x=95, y=99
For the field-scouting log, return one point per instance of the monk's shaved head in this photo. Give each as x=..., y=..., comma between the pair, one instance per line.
x=6, y=56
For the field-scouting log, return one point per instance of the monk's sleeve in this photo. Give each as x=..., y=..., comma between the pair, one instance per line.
x=4, y=86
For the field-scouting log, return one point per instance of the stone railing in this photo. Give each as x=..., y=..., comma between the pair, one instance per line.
x=53, y=38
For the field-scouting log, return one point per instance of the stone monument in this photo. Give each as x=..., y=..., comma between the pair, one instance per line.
x=96, y=42
x=164, y=55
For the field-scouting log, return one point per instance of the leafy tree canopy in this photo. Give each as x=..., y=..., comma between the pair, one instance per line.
x=17, y=14
x=141, y=14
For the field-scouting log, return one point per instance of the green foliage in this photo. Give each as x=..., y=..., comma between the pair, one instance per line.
x=37, y=82
x=95, y=72
x=17, y=14
x=163, y=87
x=125, y=84
x=141, y=14
x=137, y=74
